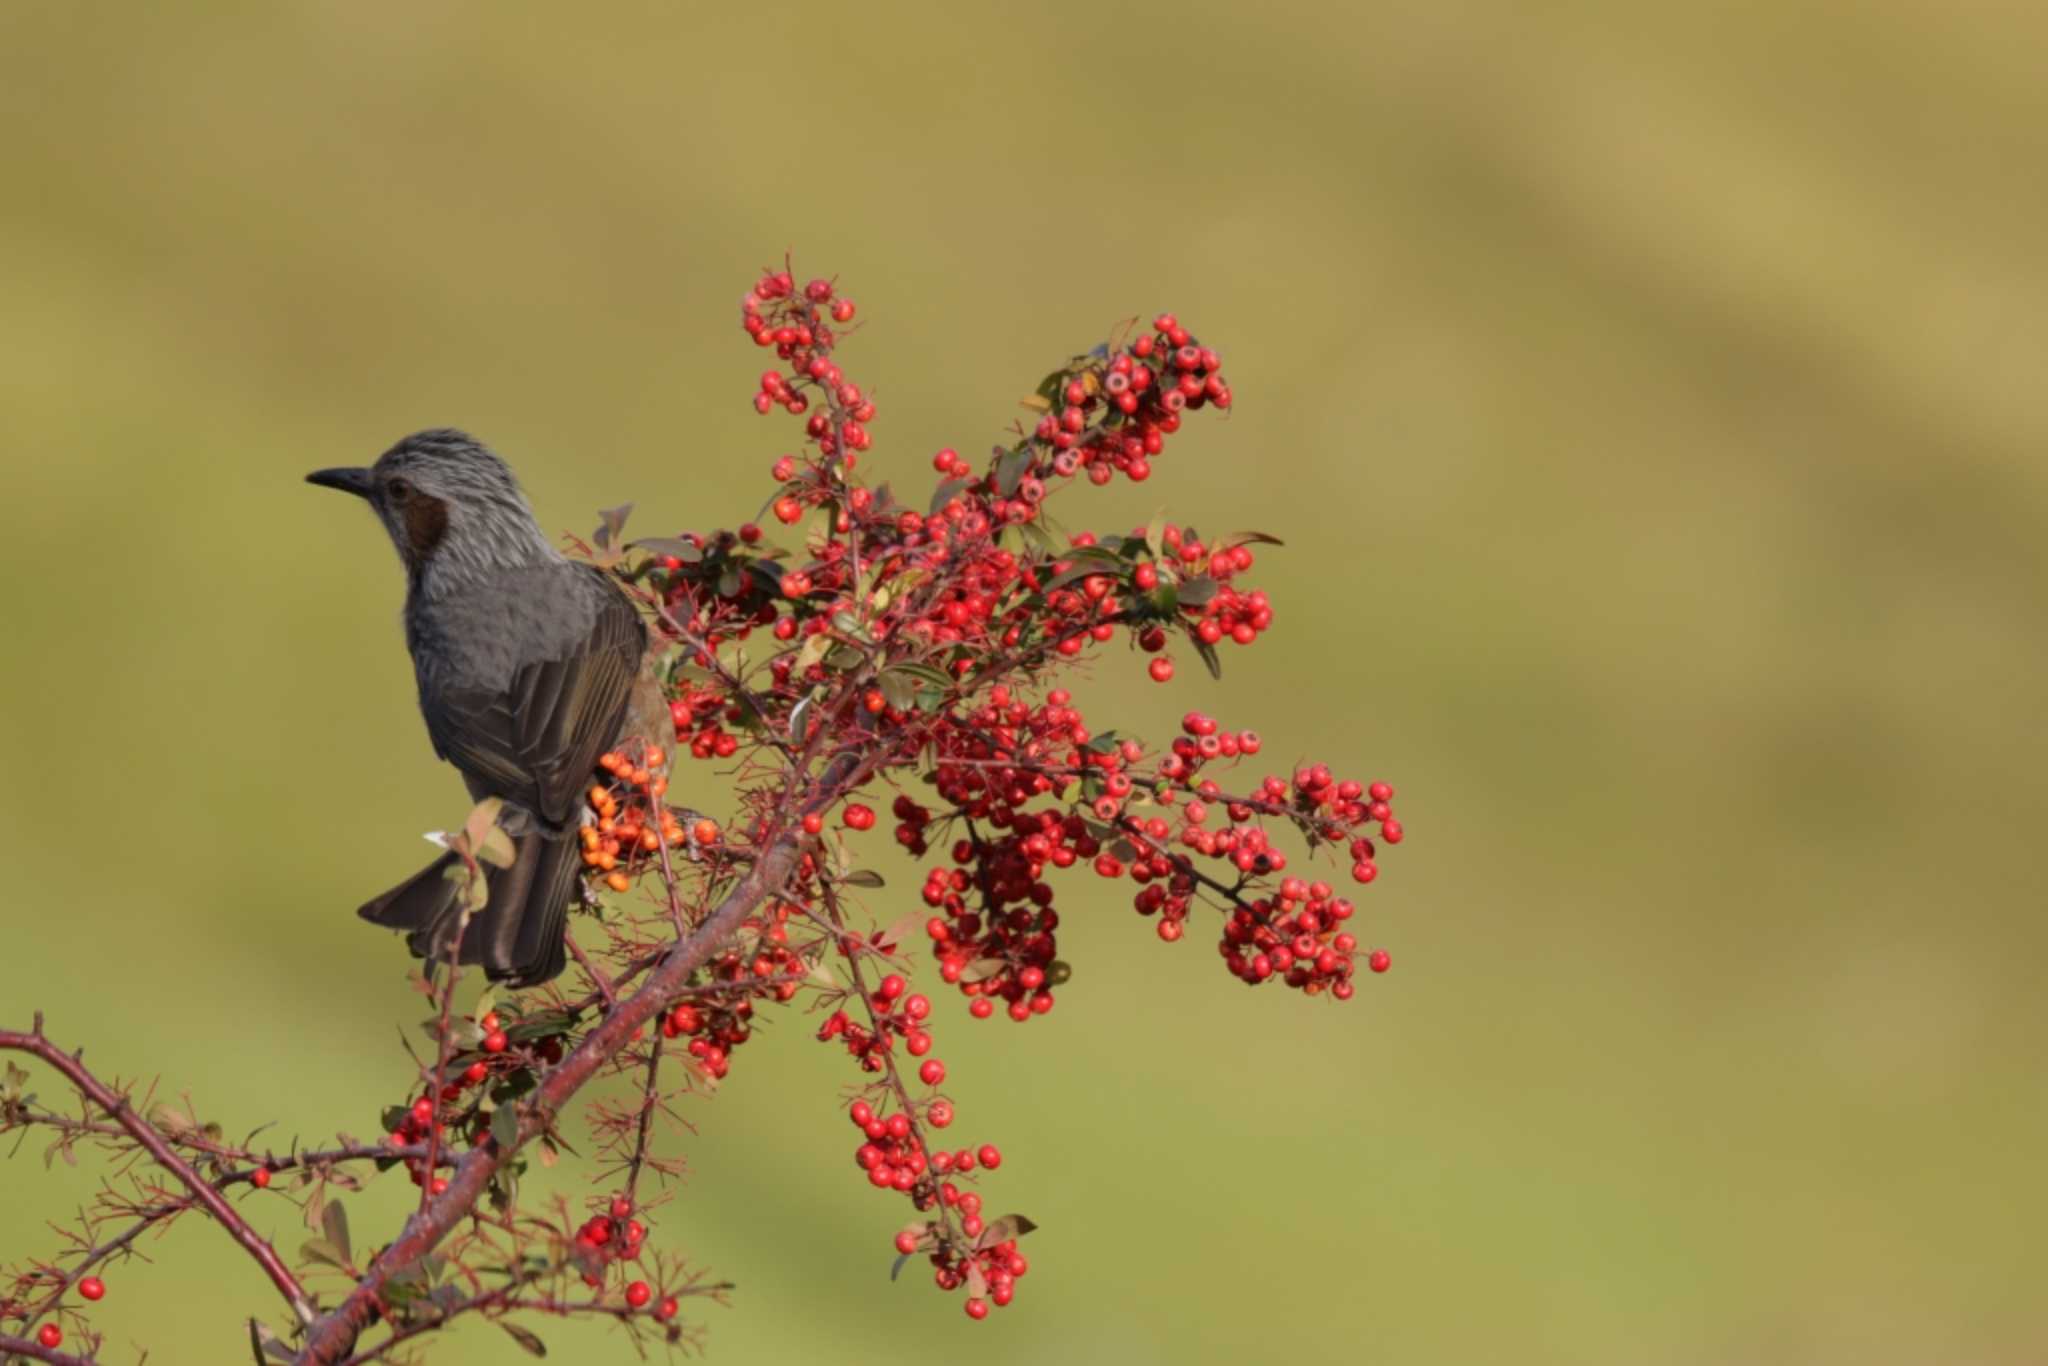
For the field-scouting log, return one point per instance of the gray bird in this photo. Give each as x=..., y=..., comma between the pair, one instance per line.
x=527, y=664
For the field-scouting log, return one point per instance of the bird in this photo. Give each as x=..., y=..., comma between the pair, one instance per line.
x=530, y=667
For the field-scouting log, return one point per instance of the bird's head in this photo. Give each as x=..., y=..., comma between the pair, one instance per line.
x=450, y=505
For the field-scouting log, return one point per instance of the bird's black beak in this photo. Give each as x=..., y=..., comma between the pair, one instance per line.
x=348, y=480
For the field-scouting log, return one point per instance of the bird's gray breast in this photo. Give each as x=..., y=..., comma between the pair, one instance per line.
x=475, y=639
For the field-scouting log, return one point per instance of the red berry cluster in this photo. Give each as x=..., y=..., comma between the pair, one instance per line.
x=927, y=636
x=775, y=314
x=893, y=1017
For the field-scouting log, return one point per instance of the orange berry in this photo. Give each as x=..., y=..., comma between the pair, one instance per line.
x=599, y=798
x=618, y=882
x=639, y=777
x=659, y=787
x=705, y=831
x=654, y=758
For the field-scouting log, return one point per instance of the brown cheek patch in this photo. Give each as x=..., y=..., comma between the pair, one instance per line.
x=426, y=522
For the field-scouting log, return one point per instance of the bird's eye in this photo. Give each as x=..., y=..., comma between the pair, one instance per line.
x=397, y=490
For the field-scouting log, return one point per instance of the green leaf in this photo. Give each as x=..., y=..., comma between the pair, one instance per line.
x=1003, y=1230
x=1208, y=654
x=1155, y=536
x=1011, y=469
x=813, y=650
x=946, y=492
x=497, y=849
x=686, y=551
x=862, y=877
x=524, y=1337
x=505, y=1126
x=481, y=818
x=1251, y=538
x=899, y=689
x=901, y=1259
x=1197, y=592
x=1084, y=562
x=334, y=1223
x=325, y=1252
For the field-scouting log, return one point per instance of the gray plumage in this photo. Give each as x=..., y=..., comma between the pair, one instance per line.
x=526, y=663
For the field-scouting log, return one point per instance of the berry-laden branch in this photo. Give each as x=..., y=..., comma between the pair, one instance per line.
x=157, y=1146
x=924, y=654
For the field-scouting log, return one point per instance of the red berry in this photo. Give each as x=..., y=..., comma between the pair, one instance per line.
x=667, y=1308
x=92, y=1287
x=495, y=1041
x=638, y=1293
x=977, y=1309
x=1161, y=669
x=1379, y=960
x=622, y=1208
x=990, y=1156
x=892, y=987
x=260, y=1177
x=49, y=1335
x=932, y=1072
x=906, y=1242
x=859, y=817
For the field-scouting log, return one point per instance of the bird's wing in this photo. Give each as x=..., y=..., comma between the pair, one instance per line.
x=536, y=742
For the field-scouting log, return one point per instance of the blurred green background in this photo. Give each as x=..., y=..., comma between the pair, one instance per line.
x=1652, y=401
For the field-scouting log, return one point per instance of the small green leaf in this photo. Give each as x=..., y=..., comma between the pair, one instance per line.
x=1197, y=592
x=1003, y=1230
x=1011, y=469
x=1251, y=538
x=325, y=1252
x=497, y=849
x=946, y=492
x=524, y=1337
x=899, y=689
x=813, y=650
x=334, y=1222
x=862, y=877
x=1208, y=654
x=505, y=1126
x=687, y=551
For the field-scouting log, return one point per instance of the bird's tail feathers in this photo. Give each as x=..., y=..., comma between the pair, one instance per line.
x=517, y=936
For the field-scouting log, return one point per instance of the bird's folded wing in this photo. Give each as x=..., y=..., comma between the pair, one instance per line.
x=536, y=743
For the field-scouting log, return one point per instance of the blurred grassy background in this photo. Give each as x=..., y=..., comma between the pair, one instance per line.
x=1653, y=405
